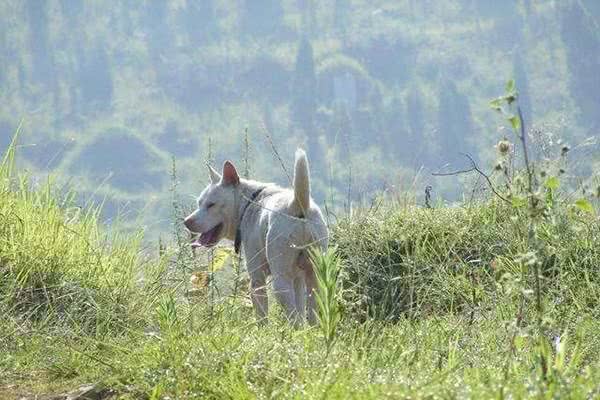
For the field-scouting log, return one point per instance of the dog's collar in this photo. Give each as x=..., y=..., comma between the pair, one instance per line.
x=238, y=233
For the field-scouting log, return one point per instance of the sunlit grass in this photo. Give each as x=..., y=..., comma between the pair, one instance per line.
x=429, y=307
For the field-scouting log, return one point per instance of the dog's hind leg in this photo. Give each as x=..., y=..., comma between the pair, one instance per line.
x=310, y=287
x=283, y=261
x=283, y=288
x=300, y=296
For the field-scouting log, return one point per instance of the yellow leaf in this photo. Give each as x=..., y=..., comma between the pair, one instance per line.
x=220, y=257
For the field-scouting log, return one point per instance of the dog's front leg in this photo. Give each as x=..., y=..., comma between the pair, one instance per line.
x=258, y=269
x=260, y=301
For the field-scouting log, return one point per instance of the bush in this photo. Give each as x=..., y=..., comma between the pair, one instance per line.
x=408, y=261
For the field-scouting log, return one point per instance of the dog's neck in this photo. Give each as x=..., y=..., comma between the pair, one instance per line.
x=244, y=191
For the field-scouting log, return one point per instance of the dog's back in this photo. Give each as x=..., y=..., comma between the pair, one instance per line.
x=293, y=213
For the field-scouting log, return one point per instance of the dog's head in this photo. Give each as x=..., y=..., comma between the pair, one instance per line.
x=214, y=218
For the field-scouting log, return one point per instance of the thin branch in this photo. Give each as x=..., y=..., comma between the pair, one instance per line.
x=460, y=171
x=269, y=138
x=475, y=168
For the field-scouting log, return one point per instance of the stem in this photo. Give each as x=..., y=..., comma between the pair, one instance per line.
x=532, y=236
x=523, y=139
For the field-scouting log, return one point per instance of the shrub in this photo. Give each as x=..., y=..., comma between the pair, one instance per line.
x=409, y=261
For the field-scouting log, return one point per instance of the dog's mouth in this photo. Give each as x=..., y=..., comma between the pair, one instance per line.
x=208, y=238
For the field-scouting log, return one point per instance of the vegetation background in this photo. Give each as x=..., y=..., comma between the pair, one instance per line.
x=122, y=103
x=380, y=92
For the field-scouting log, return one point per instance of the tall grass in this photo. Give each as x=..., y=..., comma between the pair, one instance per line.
x=59, y=267
x=424, y=307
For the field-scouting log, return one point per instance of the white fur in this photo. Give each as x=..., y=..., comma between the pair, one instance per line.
x=301, y=182
x=274, y=239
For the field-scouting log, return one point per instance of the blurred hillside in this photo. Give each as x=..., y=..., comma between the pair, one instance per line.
x=111, y=92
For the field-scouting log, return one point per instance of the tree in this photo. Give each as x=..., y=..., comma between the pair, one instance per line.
x=199, y=20
x=7, y=130
x=415, y=115
x=37, y=17
x=304, y=91
x=342, y=128
x=123, y=20
x=396, y=130
x=157, y=27
x=309, y=16
x=455, y=123
x=71, y=10
x=341, y=14
x=582, y=45
x=3, y=54
x=495, y=9
x=261, y=17
x=95, y=80
x=528, y=7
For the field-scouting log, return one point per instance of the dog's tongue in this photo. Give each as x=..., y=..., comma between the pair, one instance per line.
x=206, y=239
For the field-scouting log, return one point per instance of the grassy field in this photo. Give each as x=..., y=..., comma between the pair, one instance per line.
x=435, y=303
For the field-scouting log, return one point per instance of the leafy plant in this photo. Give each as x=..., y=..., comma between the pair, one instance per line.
x=327, y=266
x=166, y=313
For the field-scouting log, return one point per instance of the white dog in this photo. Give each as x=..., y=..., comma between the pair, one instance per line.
x=275, y=227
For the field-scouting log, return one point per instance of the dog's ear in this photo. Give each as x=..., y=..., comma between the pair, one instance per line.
x=230, y=175
x=215, y=177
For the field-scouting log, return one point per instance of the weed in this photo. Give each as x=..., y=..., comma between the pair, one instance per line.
x=328, y=268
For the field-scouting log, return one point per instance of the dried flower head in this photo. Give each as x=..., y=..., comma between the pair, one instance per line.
x=503, y=147
x=564, y=150
x=199, y=279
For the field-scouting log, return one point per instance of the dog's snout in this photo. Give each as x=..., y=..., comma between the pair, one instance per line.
x=189, y=223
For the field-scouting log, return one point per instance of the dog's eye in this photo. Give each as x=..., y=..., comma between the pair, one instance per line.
x=209, y=206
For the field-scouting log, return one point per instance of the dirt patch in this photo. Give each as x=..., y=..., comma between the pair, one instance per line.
x=84, y=392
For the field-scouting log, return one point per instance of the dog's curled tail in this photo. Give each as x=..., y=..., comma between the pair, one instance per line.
x=301, y=183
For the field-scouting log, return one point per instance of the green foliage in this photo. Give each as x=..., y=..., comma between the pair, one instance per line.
x=552, y=183
x=57, y=266
x=81, y=306
x=166, y=313
x=327, y=267
x=584, y=205
x=413, y=262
